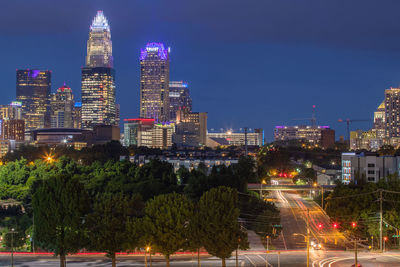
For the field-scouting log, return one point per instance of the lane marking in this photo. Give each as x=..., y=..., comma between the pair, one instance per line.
x=250, y=261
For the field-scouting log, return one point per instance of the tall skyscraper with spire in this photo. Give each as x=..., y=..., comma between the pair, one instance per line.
x=154, y=82
x=98, y=76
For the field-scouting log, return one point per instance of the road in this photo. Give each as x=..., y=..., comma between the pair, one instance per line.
x=251, y=259
x=294, y=215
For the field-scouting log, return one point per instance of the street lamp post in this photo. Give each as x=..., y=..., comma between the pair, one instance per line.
x=12, y=232
x=266, y=255
x=307, y=239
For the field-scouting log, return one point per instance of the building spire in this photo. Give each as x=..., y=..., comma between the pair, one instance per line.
x=100, y=22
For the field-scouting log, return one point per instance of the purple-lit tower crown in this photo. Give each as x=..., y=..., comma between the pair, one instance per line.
x=154, y=48
x=154, y=82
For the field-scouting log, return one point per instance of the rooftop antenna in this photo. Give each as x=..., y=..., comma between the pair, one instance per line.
x=313, y=118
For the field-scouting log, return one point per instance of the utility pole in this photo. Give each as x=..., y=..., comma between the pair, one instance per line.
x=266, y=255
x=356, y=249
x=322, y=200
x=308, y=238
x=381, y=220
x=245, y=140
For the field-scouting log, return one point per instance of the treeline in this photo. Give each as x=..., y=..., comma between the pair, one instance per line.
x=360, y=203
x=119, y=206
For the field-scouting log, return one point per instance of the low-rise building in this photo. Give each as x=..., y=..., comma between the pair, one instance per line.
x=314, y=135
x=255, y=138
x=368, y=166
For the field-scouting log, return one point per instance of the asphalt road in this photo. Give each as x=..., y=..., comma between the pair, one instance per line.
x=294, y=215
x=251, y=259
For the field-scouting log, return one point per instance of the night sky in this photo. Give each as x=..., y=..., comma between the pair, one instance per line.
x=249, y=63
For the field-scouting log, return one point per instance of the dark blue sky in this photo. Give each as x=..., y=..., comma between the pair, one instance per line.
x=249, y=63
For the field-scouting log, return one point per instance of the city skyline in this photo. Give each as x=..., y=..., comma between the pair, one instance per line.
x=370, y=70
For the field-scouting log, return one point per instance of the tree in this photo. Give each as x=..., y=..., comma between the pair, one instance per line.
x=246, y=168
x=60, y=204
x=107, y=222
x=166, y=223
x=220, y=230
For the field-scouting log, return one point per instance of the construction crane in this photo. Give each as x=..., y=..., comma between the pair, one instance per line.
x=348, y=121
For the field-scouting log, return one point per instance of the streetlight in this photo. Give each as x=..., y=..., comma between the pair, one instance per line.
x=12, y=232
x=148, y=249
x=307, y=240
x=261, y=184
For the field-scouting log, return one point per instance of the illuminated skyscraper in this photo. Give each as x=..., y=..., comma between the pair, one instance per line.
x=99, y=45
x=98, y=77
x=154, y=82
x=62, y=106
x=179, y=98
x=33, y=90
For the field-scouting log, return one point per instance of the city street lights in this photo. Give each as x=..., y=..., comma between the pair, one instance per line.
x=261, y=185
x=148, y=249
x=307, y=240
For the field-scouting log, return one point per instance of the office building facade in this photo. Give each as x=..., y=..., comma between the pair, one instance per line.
x=154, y=82
x=191, y=128
x=255, y=138
x=301, y=133
x=13, y=129
x=33, y=90
x=77, y=115
x=179, y=98
x=11, y=111
x=392, y=113
x=62, y=108
x=368, y=166
x=98, y=77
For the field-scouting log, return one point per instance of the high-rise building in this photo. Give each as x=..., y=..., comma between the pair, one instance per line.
x=379, y=121
x=11, y=111
x=33, y=90
x=99, y=45
x=191, y=128
x=154, y=82
x=62, y=107
x=179, y=98
x=77, y=115
x=117, y=114
x=98, y=77
x=392, y=113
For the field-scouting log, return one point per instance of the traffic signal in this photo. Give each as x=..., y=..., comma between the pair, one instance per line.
x=385, y=238
x=354, y=224
x=335, y=225
x=320, y=226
